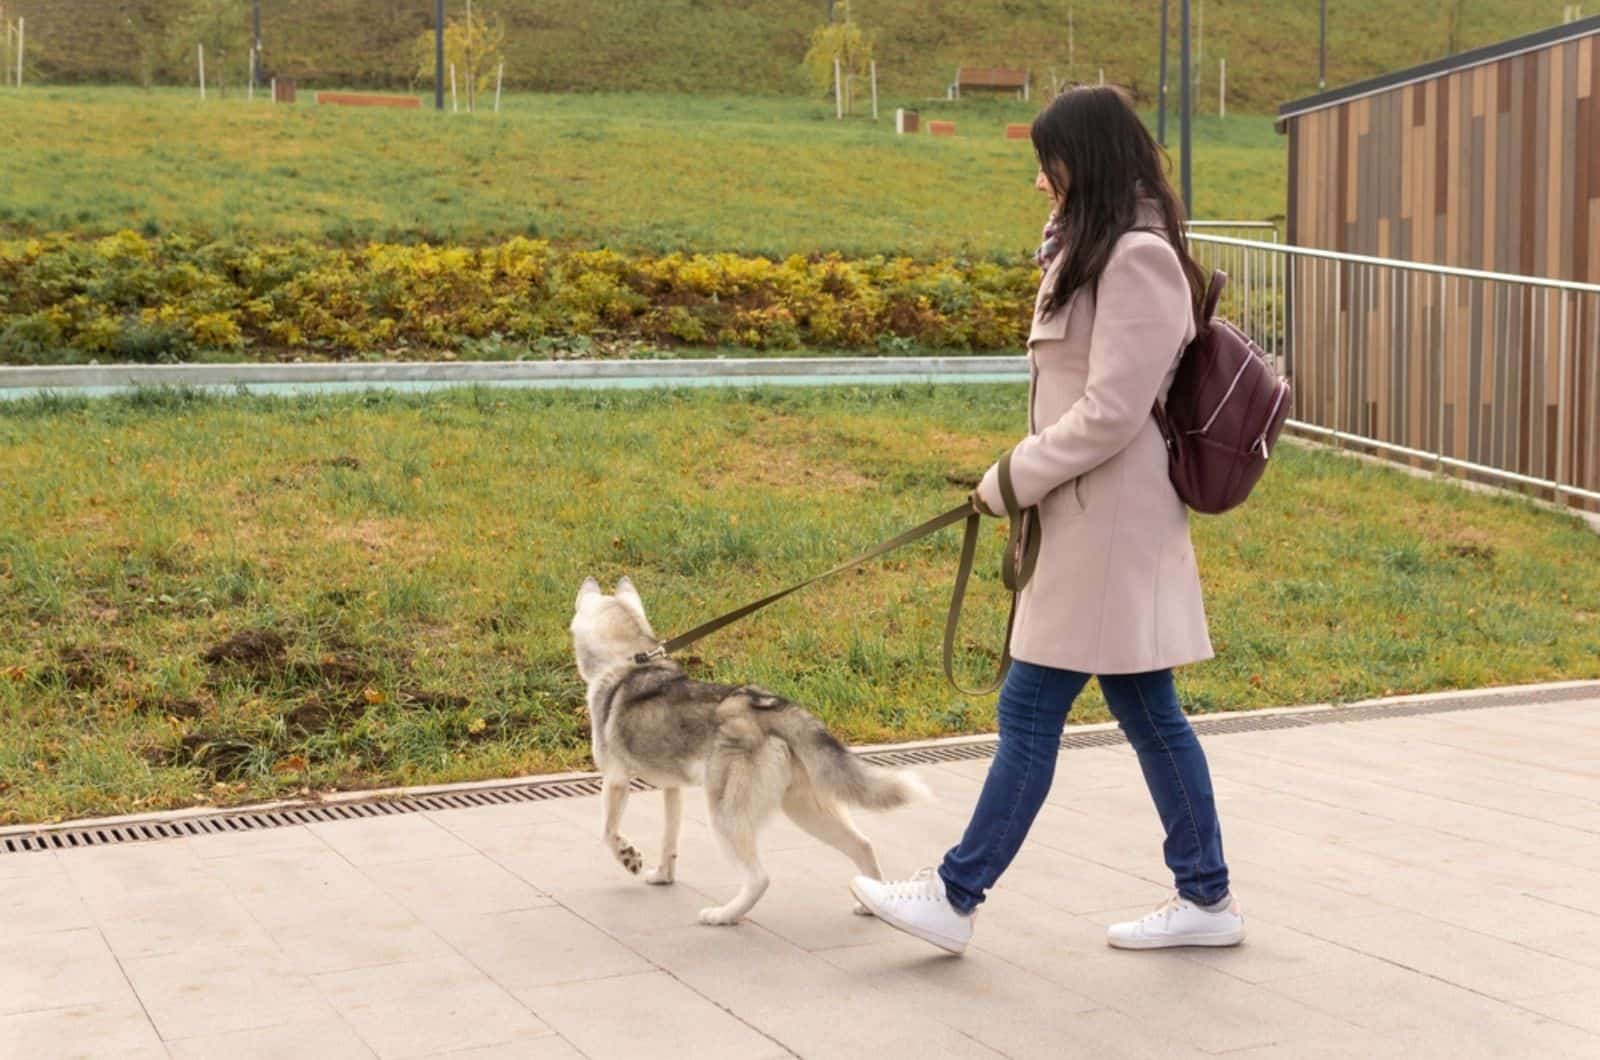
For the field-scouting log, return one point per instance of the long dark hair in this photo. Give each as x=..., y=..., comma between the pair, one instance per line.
x=1111, y=163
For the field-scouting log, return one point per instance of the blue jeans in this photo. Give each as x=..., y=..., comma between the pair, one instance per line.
x=1033, y=708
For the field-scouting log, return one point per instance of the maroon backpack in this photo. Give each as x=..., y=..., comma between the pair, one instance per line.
x=1223, y=413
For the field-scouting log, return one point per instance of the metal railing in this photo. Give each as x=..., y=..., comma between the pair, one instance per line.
x=1234, y=229
x=1490, y=374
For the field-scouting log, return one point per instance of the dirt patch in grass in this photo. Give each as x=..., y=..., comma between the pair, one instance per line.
x=86, y=667
x=182, y=708
x=1483, y=554
x=317, y=715
x=256, y=650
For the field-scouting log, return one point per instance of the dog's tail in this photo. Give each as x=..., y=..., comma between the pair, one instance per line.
x=836, y=772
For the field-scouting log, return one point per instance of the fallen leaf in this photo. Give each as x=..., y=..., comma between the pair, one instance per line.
x=292, y=764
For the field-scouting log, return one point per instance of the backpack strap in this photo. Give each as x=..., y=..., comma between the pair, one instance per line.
x=1208, y=305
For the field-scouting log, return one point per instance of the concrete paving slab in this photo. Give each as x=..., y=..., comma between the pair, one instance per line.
x=117, y=1028
x=40, y=904
x=61, y=969
x=546, y=1047
x=328, y=1038
x=352, y=934
x=376, y=840
x=1394, y=911
x=419, y=1007
x=647, y=1014
x=460, y=885
x=540, y=947
x=213, y=990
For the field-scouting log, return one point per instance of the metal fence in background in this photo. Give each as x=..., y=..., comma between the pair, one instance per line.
x=1492, y=375
x=1257, y=230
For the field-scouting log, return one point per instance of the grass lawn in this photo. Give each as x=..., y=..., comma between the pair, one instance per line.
x=215, y=600
x=655, y=172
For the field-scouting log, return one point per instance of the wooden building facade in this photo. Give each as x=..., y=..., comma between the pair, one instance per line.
x=1488, y=160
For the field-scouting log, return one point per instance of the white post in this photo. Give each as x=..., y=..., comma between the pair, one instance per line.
x=5, y=58
x=250, y=93
x=453, y=108
x=273, y=88
x=21, y=51
x=202, y=50
x=1102, y=75
x=874, y=90
x=838, y=91
x=1222, y=88
x=499, y=79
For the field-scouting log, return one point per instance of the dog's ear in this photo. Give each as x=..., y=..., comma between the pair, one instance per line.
x=630, y=597
x=588, y=588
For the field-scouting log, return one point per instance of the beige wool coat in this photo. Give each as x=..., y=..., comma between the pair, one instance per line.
x=1116, y=589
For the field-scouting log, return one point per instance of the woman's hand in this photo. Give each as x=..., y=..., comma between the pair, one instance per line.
x=987, y=498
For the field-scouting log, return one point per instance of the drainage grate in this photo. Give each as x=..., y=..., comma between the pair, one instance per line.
x=69, y=837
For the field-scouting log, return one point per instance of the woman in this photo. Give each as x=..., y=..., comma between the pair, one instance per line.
x=1115, y=592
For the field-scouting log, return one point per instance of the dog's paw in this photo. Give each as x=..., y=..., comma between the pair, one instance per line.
x=860, y=910
x=717, y=916
x=631, y=859
x=661, y=874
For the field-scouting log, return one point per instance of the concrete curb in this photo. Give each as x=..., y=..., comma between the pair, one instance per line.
x=1508, y=695
x=76, y=377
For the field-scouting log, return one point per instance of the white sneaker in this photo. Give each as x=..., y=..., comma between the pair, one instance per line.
x=916, y=906
x=1179, y=922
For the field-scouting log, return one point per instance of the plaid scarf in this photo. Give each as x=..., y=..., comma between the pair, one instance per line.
x=1050, y=242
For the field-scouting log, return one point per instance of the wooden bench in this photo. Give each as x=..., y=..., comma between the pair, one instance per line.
x=367, y=99
x=1015, y=131
x=991, y=79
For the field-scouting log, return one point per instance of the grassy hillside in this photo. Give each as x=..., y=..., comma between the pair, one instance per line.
x=772, y=176
x=754, y=46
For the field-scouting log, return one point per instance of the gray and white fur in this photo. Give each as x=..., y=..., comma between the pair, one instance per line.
x=754, y=752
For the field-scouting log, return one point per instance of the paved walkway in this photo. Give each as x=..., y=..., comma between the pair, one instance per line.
x=1416, y=887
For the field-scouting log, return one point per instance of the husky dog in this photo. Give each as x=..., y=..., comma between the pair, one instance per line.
x=752, y=751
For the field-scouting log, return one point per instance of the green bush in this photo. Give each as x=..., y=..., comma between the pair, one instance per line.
x=135, y=298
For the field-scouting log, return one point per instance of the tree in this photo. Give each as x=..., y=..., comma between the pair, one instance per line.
x=476, y=48
x=845, y=41
x=223, y=28
x=147, y=26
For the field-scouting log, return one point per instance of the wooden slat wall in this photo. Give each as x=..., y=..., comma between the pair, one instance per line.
x=1495, y=167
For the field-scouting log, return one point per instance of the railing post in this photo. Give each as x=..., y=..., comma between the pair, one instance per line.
x=1338, y=351
x=1561, y=403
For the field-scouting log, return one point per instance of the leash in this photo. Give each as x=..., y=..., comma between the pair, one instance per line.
x=1016, y=568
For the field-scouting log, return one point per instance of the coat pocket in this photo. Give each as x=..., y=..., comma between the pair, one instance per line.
x=1065, y=502
x=1052, y=328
